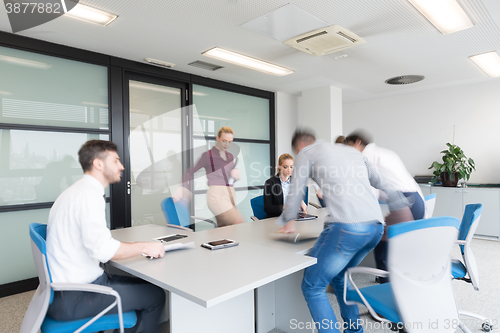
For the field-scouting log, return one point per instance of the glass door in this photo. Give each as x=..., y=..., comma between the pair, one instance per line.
x=154, y=166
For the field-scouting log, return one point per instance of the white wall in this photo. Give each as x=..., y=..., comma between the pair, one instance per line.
x=417, y=126
x=286, y=122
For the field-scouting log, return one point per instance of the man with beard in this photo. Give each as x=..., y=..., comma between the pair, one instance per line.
x=78, y=240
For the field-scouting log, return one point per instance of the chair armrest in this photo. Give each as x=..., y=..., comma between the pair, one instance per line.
x=205, y=220
x=95, y=289
x=253, y=218
x=315, y=205
x=365, y=270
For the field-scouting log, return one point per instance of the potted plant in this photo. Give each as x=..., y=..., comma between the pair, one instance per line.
x=455, y=166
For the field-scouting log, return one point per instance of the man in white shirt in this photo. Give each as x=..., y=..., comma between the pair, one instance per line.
x=390, y=167
x=78, y=240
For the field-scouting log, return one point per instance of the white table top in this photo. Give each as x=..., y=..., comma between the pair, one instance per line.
x=210, y=277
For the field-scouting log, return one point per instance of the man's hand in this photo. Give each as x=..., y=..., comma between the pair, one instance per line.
x=128, y=250
x=319, y=194
x=287, y=228
x=153, y=249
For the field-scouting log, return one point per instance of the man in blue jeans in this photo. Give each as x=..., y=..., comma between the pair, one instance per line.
x=353, y=227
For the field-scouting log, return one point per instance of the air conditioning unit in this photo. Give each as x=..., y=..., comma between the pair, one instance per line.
x=326, y=40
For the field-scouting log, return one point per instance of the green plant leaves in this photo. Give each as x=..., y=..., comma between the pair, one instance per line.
x=454, y=161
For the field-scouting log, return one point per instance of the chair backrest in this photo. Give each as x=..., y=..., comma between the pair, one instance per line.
x=43, y=296
x=257, y=204
x=176, y=213
x=468, y=226
x=420, y=266
x=430, y=203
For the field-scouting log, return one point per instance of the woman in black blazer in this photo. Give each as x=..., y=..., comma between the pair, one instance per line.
x=274, y=200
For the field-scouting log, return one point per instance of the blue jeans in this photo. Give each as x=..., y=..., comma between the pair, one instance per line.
x=339, y=247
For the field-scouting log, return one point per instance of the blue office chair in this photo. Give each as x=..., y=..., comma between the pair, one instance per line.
x=461, y=269
x=257, y=204
x=35, y=317
x=420, y=292
x=430, y=203
x=177, y=213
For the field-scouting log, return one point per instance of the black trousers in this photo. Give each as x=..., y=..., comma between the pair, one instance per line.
x=145, y=298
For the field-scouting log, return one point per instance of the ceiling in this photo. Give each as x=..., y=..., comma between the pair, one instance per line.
x=399, y=41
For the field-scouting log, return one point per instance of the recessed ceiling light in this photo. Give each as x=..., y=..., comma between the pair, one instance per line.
x=446, y=15
x=89, y=14
x=248, y=62
x=404, y=79
x=159, y=63
x=488, y=62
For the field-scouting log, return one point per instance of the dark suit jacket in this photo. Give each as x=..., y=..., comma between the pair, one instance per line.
x=273, y=197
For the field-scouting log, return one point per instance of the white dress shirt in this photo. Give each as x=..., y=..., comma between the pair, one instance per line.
x=391, y=168
x=78, y=238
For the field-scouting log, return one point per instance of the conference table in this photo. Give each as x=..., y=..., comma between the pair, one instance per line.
x=252, y=287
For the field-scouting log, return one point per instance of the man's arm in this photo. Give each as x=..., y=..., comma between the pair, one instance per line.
x=127, y=250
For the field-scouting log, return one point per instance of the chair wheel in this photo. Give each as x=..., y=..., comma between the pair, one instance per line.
x=486, y=326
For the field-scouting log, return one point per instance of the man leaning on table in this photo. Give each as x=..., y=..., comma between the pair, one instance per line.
x=353, y=226
x=78, y=240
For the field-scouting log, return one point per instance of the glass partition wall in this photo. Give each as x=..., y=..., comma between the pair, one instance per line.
x=49, y=107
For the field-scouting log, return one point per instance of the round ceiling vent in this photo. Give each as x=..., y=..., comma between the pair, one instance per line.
x=405, y=79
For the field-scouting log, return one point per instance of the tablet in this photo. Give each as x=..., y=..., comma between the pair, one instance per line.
x=170, y=238
x=304, y=217
x=219, y=244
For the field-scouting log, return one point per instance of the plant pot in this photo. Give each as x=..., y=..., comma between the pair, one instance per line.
x=447, y=182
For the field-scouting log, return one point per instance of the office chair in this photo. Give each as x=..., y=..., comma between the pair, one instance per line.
x=35, y=317
x=460, y=269
x=419, y=296
x=257, y=204
x=177, y=214
x=430, y=203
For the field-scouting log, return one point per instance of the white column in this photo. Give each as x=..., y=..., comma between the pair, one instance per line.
x=321, y=110
x=286, y=122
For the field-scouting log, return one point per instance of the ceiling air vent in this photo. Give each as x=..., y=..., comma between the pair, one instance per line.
x=404, y=79
x=205, y=65
x=159, y=63
x=326, y=40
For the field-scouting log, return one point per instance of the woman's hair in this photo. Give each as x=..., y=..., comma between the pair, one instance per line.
x=282, y=159
x=225, y=129
x=340, y=139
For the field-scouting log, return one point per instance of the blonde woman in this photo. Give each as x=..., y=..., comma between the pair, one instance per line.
x=277, y=187
x=219, y=165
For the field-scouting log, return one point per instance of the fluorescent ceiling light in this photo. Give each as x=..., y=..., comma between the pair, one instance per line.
x=446, y=15
x=92, y=15
x=248, y=62
x=488, y=62
x=24, y=62
x=6, y=93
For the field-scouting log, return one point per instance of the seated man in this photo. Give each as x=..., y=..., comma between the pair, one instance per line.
x=78, y=240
